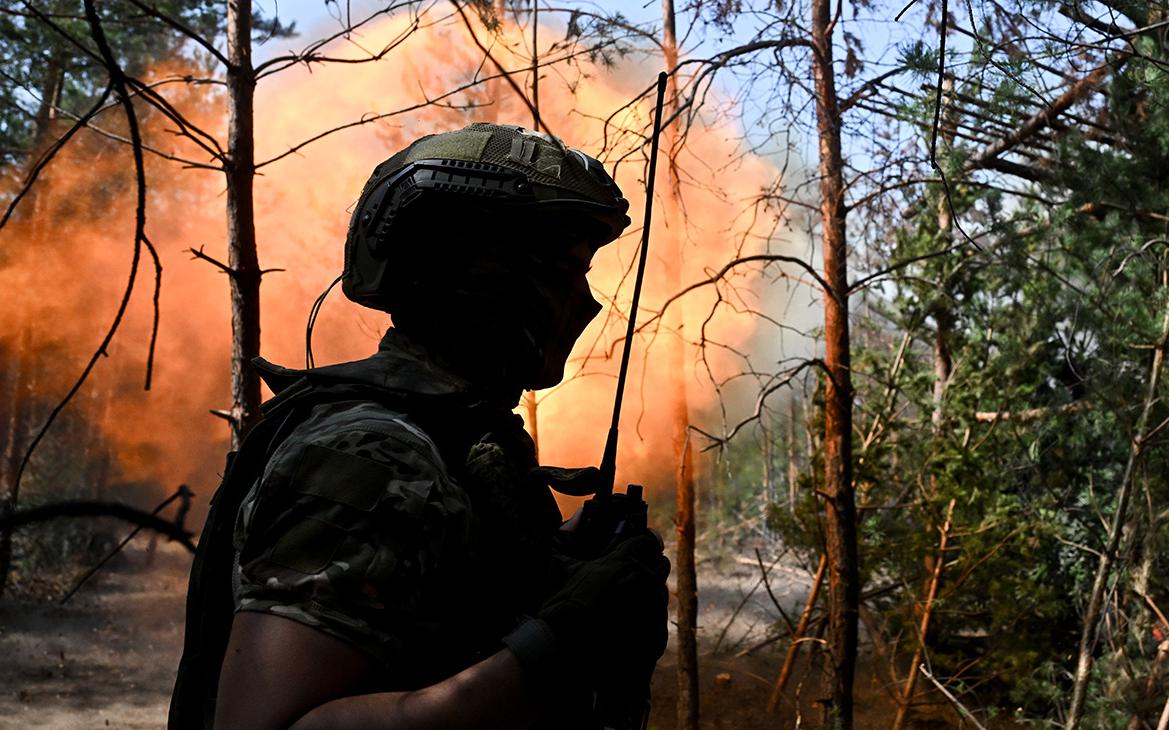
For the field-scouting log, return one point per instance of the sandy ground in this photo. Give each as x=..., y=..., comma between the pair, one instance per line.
x=107, y=658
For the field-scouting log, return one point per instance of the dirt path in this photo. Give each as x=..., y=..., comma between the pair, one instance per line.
x=106, y=659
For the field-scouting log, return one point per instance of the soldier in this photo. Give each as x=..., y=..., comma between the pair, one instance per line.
x=384, y=550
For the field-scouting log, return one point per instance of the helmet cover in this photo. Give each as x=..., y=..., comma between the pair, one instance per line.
x=485, y=173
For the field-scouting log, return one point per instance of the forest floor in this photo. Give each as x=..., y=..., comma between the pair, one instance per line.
x=107, y=658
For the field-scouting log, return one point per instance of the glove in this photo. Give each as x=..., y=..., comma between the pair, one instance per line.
x=605, y=614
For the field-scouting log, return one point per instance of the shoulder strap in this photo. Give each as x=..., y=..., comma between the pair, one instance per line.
x=210, y=599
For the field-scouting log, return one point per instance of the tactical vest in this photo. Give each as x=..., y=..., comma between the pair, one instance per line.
x=454, y=422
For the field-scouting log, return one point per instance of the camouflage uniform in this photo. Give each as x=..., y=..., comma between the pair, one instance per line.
x=421, y=547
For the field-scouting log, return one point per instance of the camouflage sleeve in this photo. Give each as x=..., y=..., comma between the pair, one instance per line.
x=349, y=528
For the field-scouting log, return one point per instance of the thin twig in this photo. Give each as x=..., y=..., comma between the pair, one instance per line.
x=767, y=584
x=182, y=492
x=506, y=74
x=953, y=700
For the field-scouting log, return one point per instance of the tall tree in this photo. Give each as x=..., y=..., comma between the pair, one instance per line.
x=243, y=259
x=684, y=518
x=840, y=525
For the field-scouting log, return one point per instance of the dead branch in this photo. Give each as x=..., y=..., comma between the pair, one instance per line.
x=505, y=73
x=371, y=118
x=311, y=53
x=760, y=401
x=197, y=136
x=793, y=649
x=198, y=254
x=953, y=700
x=927, y=612
x=1044, y=117
x=865, y=280
x=95, y=508
x=183, y=493
x=767, y=584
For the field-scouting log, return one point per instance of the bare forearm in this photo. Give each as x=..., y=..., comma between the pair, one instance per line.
x=490, y=694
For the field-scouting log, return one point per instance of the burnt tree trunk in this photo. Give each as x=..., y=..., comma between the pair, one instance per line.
x=18, y=404
x=684, y=566
x=241, y=226
x=839, y=499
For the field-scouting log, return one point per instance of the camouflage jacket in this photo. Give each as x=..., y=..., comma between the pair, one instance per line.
x=414, y=535
x=398, y=516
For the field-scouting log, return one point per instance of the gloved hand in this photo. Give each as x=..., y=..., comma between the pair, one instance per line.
x=603, y=615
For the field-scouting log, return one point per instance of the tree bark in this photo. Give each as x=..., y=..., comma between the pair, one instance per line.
x=241, y=226
x=687, y=579
x=839, y=498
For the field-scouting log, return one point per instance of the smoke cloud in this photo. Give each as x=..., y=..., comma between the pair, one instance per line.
x=67, y=258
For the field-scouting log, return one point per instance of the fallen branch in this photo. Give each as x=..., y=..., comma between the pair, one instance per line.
x=94, y=508
x=183, y=493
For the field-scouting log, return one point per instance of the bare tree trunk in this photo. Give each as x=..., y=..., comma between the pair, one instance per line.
x=687, y=581
x=1095, y=607
x=52, y=87
x=943, y=316
x=241, y=227
x=840, y=501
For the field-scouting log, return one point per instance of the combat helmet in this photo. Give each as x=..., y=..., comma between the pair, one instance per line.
x=478, y=172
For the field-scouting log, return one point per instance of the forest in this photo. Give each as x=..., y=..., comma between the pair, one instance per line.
x=895, y=391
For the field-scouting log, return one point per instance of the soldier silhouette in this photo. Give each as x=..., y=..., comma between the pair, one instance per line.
x=384, y=551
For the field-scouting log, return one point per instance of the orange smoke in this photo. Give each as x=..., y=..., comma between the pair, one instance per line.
x=75, y=260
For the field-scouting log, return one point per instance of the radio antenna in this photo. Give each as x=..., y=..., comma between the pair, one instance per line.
x=609, y=460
